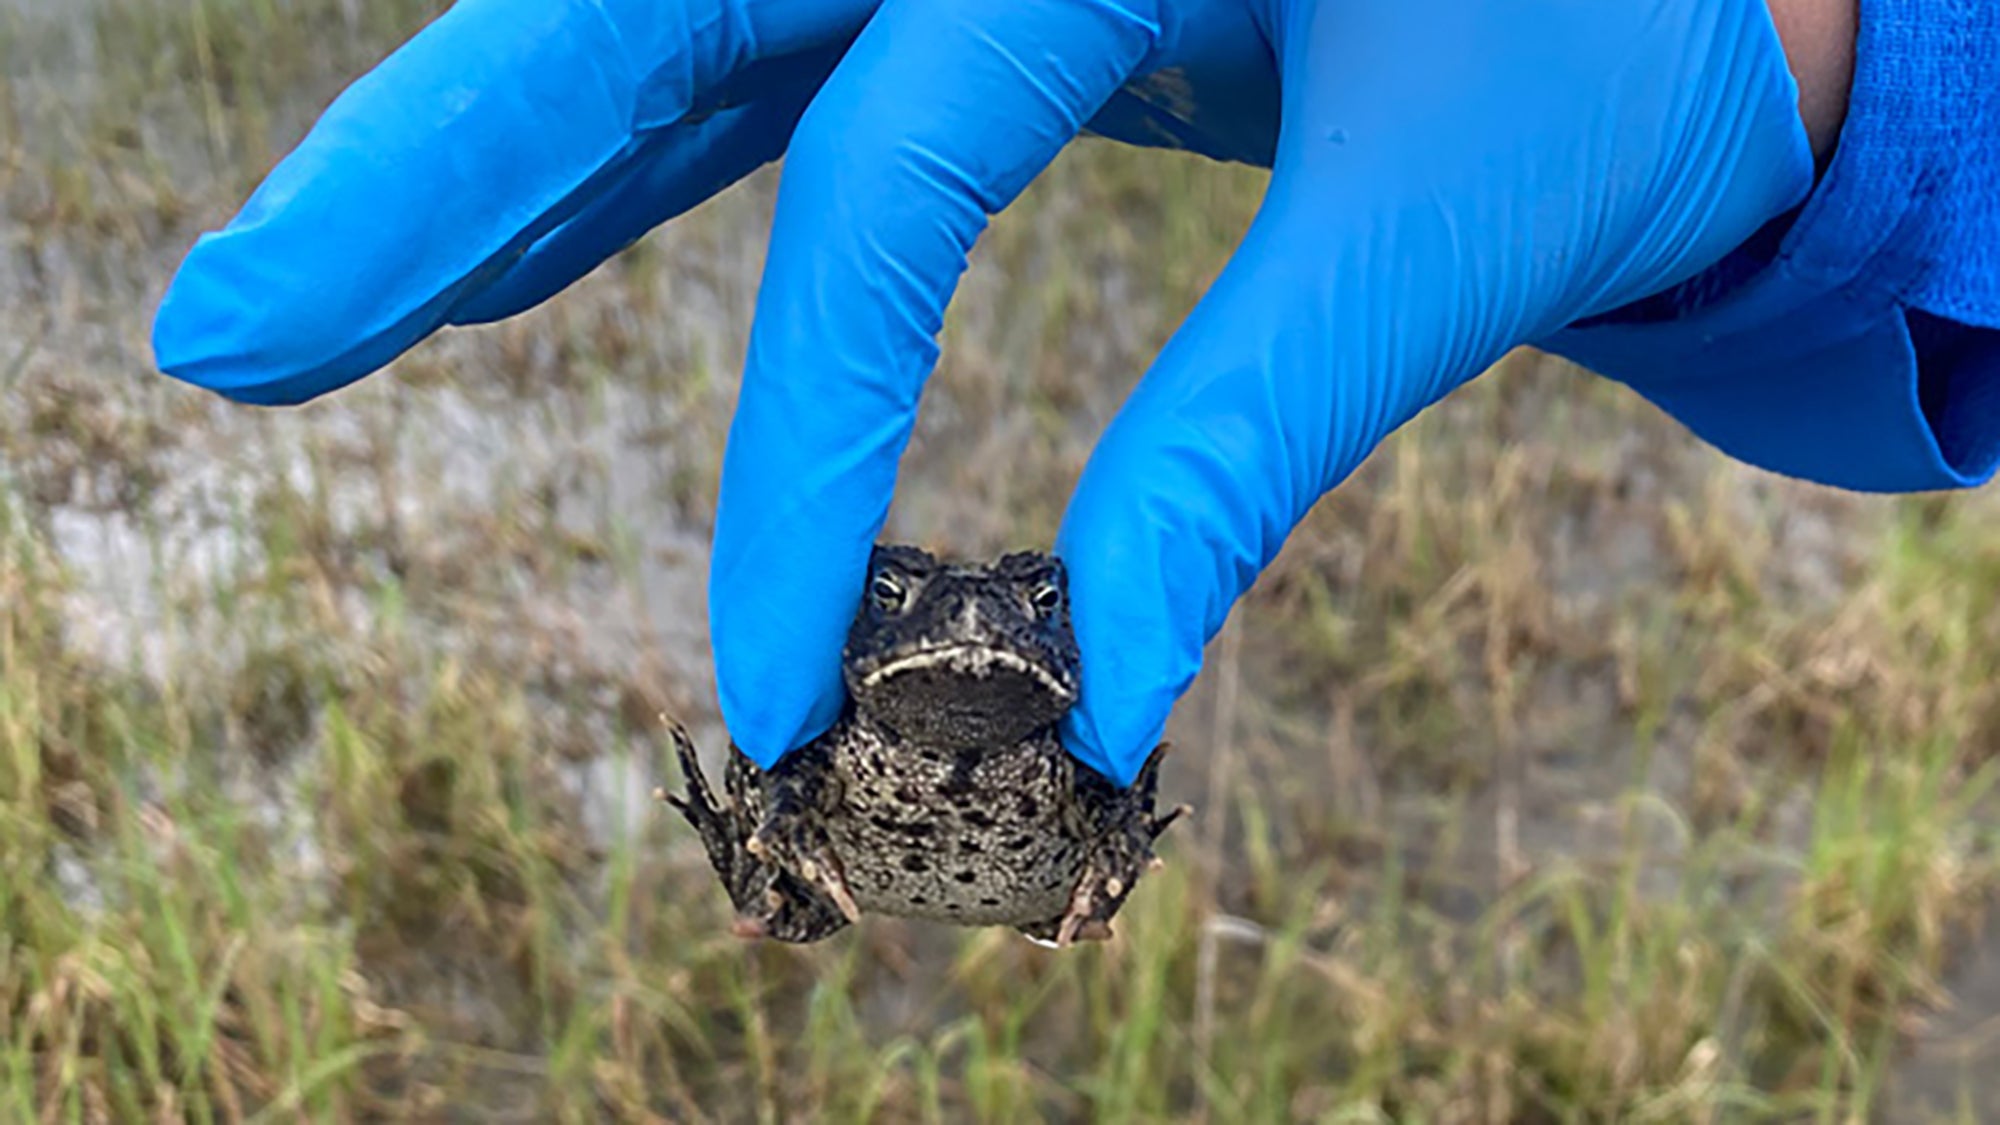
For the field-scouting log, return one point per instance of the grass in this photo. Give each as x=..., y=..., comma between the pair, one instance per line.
x=1559, y=770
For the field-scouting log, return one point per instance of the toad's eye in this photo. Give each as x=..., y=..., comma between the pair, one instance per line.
x=886, y=592
x=1046, y=598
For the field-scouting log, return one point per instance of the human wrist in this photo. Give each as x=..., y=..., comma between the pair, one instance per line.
x=1819, y=39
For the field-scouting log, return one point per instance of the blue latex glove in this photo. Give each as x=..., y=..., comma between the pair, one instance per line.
x=1452, y=178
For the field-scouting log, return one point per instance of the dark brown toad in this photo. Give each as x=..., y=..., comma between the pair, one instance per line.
x=943, y=791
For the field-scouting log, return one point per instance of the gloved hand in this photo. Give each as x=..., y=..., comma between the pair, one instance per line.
x=1451, y=178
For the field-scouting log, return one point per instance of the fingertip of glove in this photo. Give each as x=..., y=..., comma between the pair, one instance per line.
x=222, y=330
x=767, y=723
x=1140, y=625
x=1119, y=757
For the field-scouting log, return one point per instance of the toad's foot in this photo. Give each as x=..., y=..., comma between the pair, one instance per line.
x=770, y=902
x=720, y=830
x=1115, y=867
x=795, y=844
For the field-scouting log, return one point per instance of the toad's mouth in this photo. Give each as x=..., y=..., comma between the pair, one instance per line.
x=970, y=660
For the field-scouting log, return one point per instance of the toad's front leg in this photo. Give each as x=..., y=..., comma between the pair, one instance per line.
x=1114, y=867
x=1122, y=831
x=793, y=836
x=770, y=902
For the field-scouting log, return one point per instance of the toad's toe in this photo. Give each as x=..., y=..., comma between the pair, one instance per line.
x=835, y=885
x=1082, y=904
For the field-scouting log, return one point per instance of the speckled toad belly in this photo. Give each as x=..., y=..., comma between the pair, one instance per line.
x=974, y=839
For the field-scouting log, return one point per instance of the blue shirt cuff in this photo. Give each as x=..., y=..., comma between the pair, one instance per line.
x=1855, y=342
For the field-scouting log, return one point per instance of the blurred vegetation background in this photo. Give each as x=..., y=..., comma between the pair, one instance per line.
x=1560, y=770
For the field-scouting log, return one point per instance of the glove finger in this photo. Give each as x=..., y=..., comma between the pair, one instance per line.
x=433, y=173
x=673, y=171
x=941, y=112
x=1222, y=55
x=1407, y=241
x=1277, y=385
